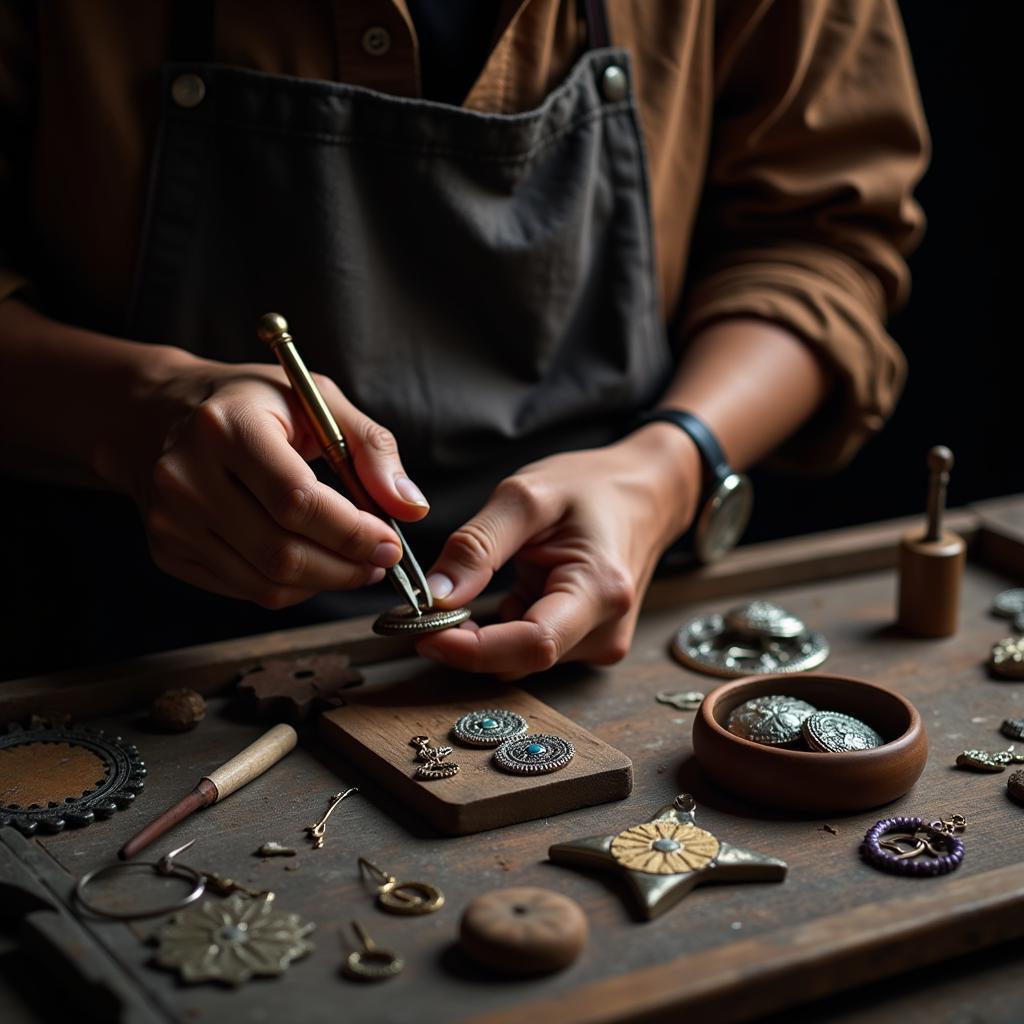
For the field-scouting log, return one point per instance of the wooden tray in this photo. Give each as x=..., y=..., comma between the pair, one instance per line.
x=727, y=952
x=373, y=731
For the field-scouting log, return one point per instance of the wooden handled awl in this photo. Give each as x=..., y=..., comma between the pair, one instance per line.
x=222, y=782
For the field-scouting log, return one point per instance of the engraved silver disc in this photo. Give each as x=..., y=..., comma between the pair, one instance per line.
x=403, y=620
x=774, y=720
x=1009, y=604
x=1013, y=728
x=705, y=644
x=534, y=754
x=830, y=732
x=763, y=619
x=489, y=728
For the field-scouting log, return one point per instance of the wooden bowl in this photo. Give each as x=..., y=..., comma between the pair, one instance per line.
x=801, y=780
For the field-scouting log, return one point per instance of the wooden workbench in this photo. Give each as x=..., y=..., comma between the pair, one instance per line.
x=729, y=952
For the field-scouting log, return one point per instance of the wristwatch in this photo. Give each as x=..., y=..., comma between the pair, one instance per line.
x=727, y=496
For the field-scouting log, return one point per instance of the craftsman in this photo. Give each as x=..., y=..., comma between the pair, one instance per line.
x=497, y=239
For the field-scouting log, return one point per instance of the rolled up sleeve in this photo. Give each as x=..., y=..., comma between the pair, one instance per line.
x=16, y=105
x=808, y=212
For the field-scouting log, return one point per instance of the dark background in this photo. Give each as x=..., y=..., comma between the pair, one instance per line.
x=963, y=347
x=961, y=343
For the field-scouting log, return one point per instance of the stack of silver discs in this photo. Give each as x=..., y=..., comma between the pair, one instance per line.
x=777, y=720
x=758, y=638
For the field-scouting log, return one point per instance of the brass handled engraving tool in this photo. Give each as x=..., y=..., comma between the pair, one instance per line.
x=418, y=615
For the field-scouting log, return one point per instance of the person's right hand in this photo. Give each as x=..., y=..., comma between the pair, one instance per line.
x=216, y=459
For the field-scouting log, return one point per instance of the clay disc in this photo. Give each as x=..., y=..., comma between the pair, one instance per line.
x=523, y=931
x=401, y=620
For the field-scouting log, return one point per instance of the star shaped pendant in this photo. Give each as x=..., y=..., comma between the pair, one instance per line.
x=663, y=859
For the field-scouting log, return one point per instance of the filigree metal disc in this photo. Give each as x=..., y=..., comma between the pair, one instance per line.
x=664, y=848
x=232, y=941
x=830, y=732
x=37, y=764
x=403, y=621
x=775, y=720
x=534, y=754
x=489, y=727
x=1008, y=657
x=764, y=619
x=707, y=645
x=1009, y=604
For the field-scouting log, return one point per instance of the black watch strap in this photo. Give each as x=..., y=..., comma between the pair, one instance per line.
x=716, y=465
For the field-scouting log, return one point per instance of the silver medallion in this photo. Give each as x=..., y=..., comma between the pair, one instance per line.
x=1007, y=658
x=1009, y=604
x=830, y=732
x=1013, y=728
x=489, y=728
x=534, y=754
x=402, y=620
x=737, y=643
x=774, y=720
x=763, y=619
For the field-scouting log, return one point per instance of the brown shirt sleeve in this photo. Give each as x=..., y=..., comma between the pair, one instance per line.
x=818, y=141
x=17, y=56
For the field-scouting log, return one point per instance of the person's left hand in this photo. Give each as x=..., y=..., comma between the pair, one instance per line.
x=586, y=529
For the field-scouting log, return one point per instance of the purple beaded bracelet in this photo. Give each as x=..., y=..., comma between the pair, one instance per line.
x=877, y=857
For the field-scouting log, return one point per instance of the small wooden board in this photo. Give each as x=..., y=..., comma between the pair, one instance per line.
x=373, y=730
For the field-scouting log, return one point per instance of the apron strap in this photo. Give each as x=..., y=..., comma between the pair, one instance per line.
x=596, y=18
x=190, y=31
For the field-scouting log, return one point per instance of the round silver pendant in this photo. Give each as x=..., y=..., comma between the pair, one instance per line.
x=830, y=732
x=774, y=720
x=763, y=619
x=1009, y=604
x=709, y=646
x=1013, y=728
x=402, y=620
x=534, y=754
x=489, y=728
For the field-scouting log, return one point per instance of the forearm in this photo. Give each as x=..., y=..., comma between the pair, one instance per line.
x=753, y=383
x=69, y=395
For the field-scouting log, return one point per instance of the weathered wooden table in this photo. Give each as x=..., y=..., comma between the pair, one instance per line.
x=727, y=952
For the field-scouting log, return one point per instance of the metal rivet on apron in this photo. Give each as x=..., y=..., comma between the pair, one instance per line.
x=376, y=41
x=188, y=90
x=614, y=83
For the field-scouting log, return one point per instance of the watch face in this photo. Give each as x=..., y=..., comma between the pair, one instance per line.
x=724, y=518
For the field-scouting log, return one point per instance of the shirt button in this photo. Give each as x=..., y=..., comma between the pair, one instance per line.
x=377, y=41
x=188, y=90
x=614, y=83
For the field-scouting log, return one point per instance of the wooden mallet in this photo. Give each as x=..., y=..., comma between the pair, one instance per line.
x=222, y=782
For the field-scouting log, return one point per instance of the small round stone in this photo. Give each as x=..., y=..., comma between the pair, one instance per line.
x=830, y=732
x=1009, y=604
x=774, y=720
x=665, y=845
x=534, y=755
x=1015, y=787
x=402, y=620
x=1007, y=658
x=489, y=727
x=524, y=931
x=177, y=710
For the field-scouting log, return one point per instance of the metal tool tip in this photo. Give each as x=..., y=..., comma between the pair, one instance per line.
x=271, y=327
x=940, y=459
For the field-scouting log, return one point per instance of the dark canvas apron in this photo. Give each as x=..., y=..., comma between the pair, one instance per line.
x=482, y=284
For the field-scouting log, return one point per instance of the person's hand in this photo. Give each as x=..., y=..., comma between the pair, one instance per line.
x=586, y=529
x=217, y=462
